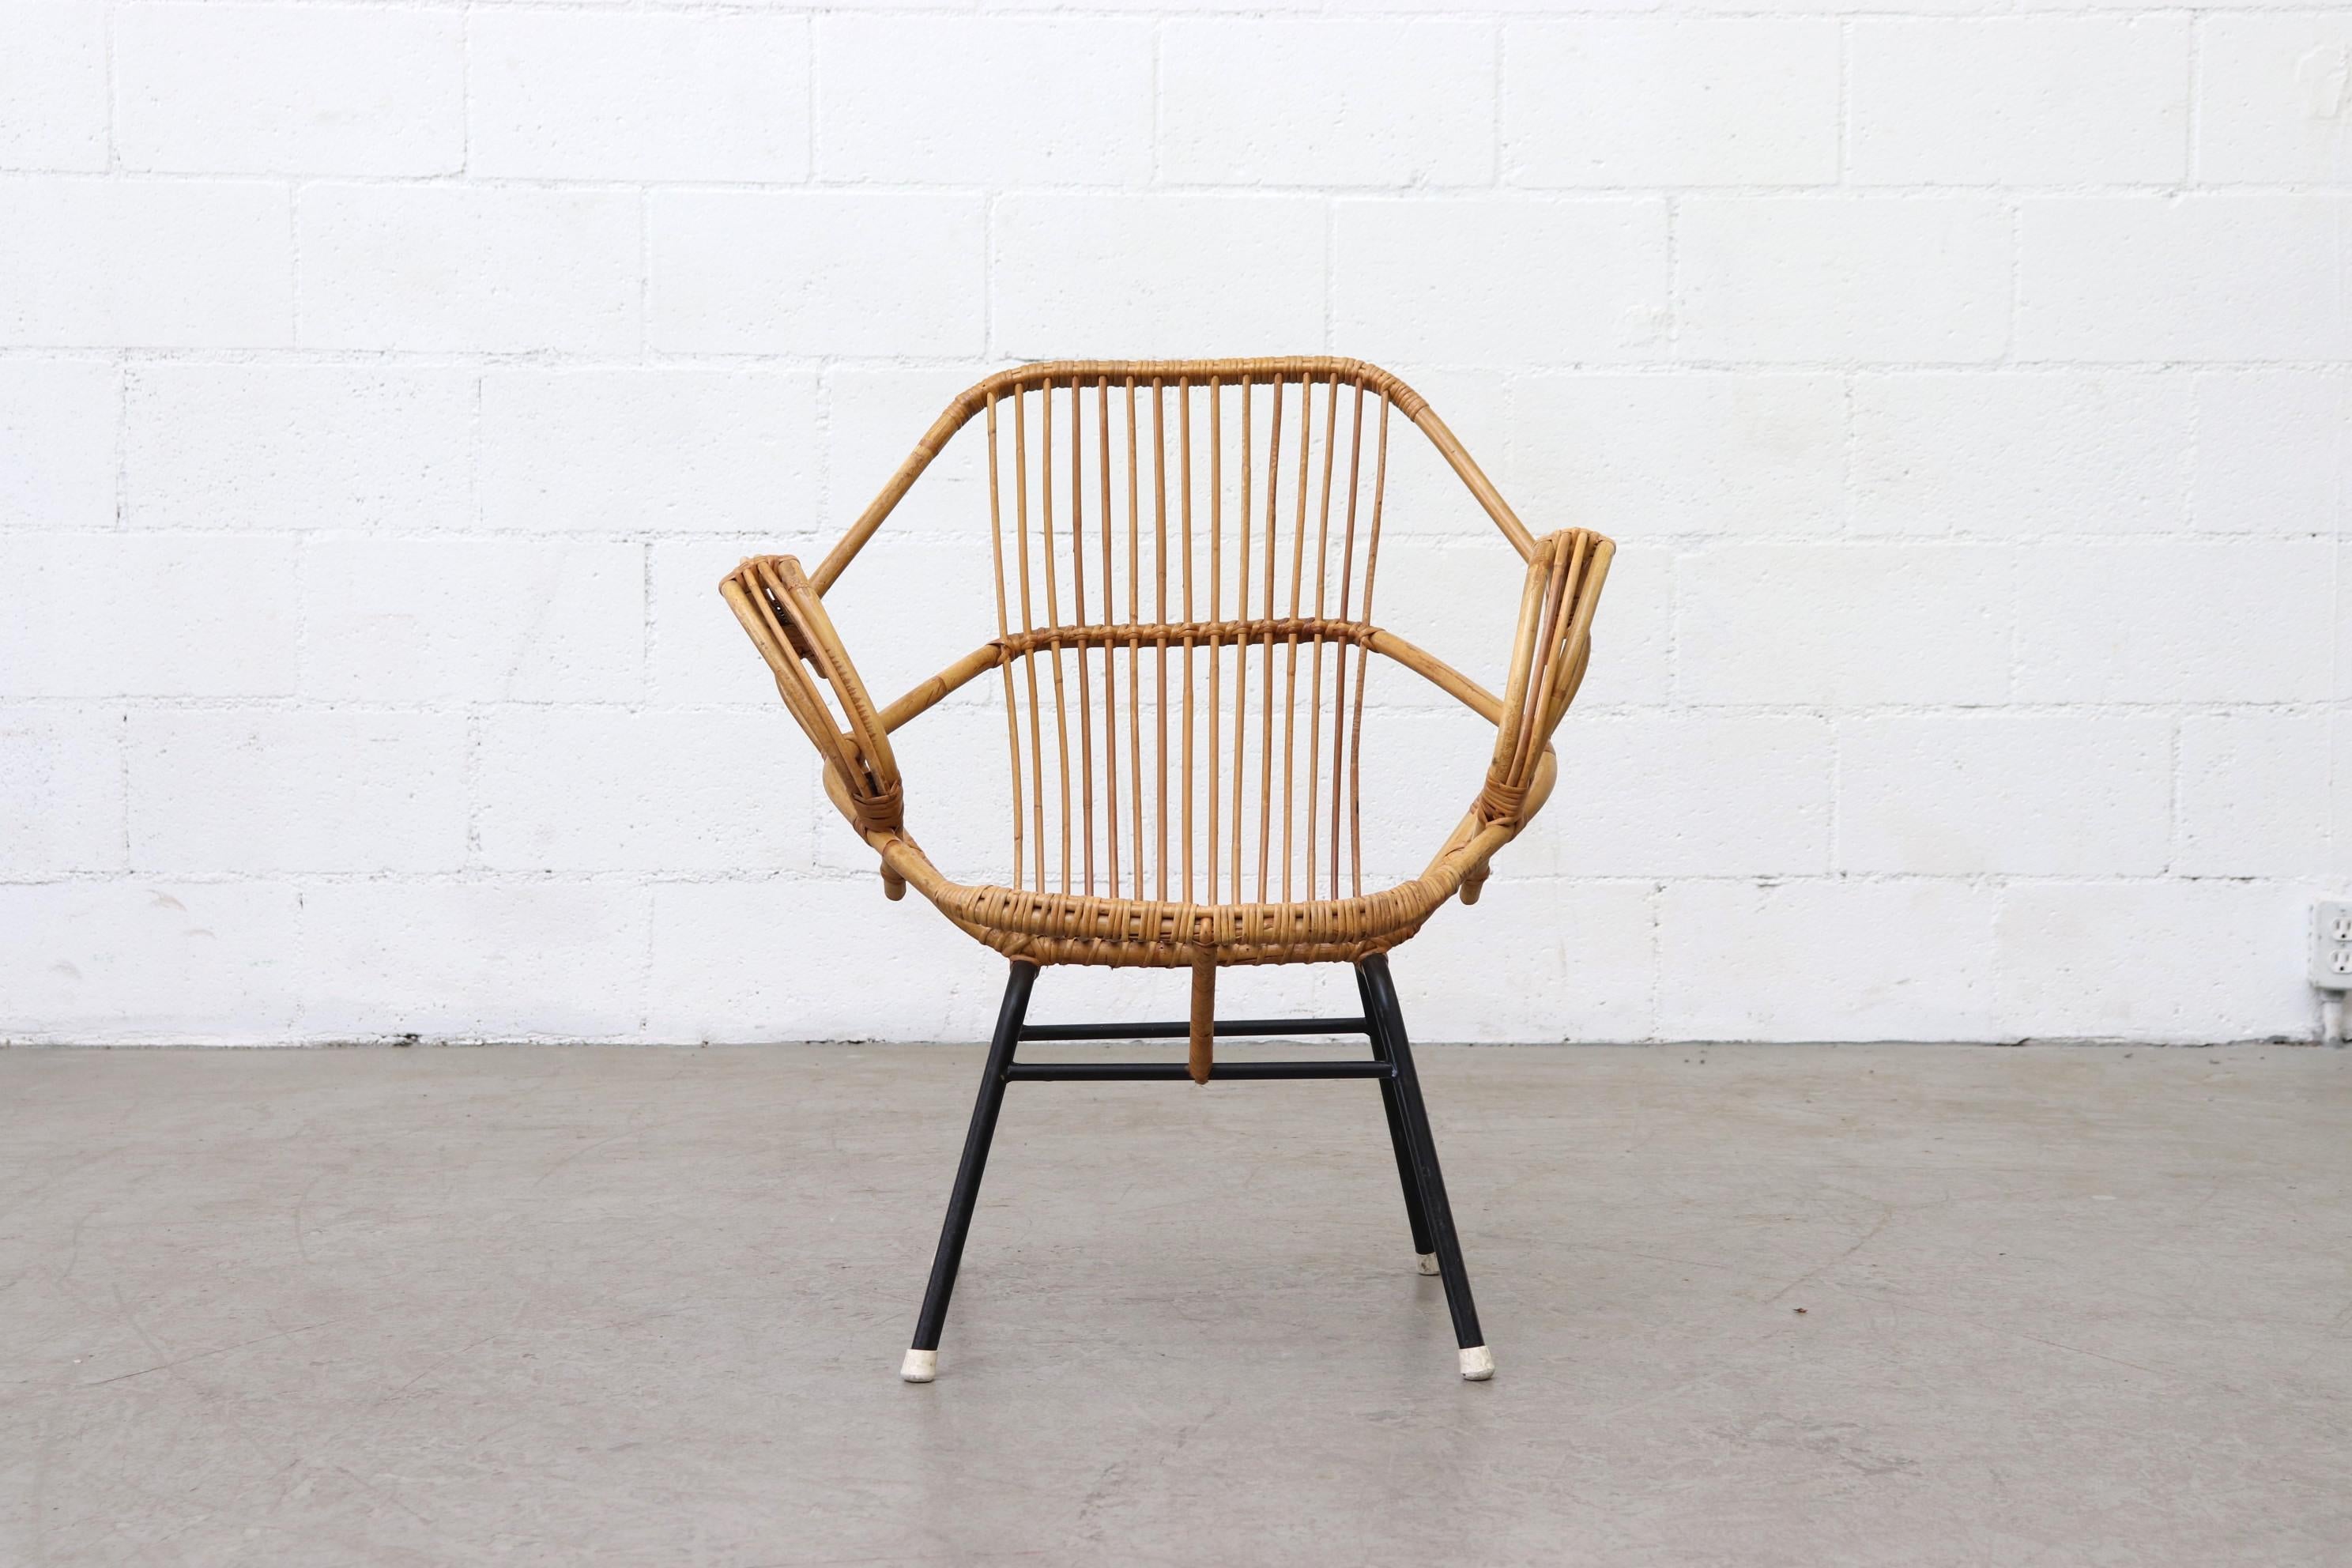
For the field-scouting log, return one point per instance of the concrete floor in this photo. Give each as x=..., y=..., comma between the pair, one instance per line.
x=1757, y=1306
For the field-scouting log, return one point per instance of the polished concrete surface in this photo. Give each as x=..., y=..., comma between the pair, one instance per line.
x=1757, y=1306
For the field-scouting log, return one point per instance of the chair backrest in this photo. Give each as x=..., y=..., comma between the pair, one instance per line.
x=1186, y=555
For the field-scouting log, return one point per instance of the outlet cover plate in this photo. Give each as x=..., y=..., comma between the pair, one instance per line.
x=2331, y=946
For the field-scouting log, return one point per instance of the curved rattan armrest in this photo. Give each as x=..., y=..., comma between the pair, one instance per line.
x=774, y=599
x=1548, y=654
x=1549, y=651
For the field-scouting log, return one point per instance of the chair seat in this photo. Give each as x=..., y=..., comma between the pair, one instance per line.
x=1069, y=928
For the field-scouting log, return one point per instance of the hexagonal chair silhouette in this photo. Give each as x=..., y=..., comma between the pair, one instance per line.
x=1185, y=555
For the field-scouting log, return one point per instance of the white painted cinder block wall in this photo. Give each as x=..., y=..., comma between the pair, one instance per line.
x=383, y=388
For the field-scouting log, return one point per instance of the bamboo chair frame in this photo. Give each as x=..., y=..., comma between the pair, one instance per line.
x=1167, y=707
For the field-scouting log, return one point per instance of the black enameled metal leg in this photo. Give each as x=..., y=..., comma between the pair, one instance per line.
x=975, y=1162
x=1413, y=1214
x=1389, y=1019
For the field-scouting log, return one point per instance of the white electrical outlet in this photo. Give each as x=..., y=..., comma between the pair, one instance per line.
x=2331, y=946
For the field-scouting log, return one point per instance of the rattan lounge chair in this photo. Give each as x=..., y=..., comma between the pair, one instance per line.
x=1185, y=554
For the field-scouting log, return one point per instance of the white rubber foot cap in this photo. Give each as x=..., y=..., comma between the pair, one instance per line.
x=1429, y=1263
x=1477, y=1365
x=922, y=1366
